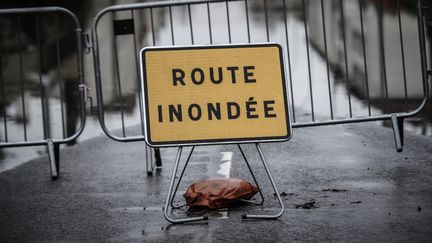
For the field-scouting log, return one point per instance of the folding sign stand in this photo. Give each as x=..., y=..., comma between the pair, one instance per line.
x=192, y=96
x=171, y=195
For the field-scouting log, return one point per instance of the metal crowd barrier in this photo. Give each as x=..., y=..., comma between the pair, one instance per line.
x=363, y=45
x=36, y=66
x=364, y=62
x=372, y=50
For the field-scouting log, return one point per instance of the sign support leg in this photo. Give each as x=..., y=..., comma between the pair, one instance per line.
x=168, y=199
x=267, y=216
x=254, y=178
x=180, y=178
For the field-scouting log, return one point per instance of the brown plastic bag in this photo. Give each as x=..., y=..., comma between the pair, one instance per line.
x=219, y=192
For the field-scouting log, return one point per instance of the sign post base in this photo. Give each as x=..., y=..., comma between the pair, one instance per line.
x=171, y=193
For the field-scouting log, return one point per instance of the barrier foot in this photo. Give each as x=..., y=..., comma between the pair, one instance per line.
x=152, y=162
x=267, y=216
x=54, y=158
x=158, y=159
x=397, y=123
x=170, y=190
x=149, y=160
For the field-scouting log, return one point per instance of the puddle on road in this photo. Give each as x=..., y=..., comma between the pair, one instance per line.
x=141, y=233
x=225, y=166
x=159, y=232
x=134, y=209
x=223, y=213
x=378, y=184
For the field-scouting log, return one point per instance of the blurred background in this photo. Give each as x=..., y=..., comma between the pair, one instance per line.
x=365, y=63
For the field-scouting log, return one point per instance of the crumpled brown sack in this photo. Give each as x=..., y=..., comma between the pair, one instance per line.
x=218, y=192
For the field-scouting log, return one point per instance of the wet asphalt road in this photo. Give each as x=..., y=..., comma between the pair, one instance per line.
x=104, y=193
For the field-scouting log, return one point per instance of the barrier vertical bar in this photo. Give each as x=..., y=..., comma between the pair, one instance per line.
x=402, y=54
x=308, y=60
x=138, y=74
x=326, y=58
x=209, y=23
x=60, y=78
x=171, y=25
x=21, y=71
x=364, y=58
x=190, y=24
x=382, y=53
x=41, y=83
x=289, y=60
x=228, y=22
x=266, y=21
x=247, y=21
x=118, y=81
x=152, y=27
x=347, y=75
x=2, y=87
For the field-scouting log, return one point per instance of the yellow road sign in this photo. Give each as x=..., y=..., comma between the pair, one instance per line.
x=214, y=94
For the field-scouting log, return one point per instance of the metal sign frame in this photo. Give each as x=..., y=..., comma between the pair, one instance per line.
x=173, y=186
x=144, y=93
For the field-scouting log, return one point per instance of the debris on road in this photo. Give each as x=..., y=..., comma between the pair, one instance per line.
x=333, y=190
x=219, y=192
x=284, y=194
x=356, y=202
x=307, y=205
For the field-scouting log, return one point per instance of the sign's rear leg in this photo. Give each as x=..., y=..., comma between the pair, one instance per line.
x=267, y=216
